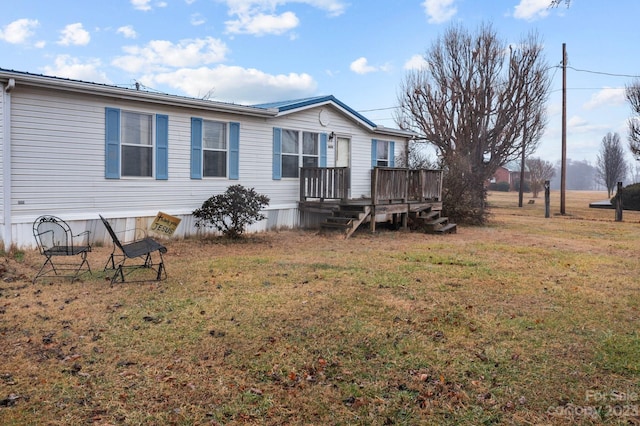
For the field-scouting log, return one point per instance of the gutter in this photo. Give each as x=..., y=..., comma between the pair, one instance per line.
x=395, y=132
x=6, y=163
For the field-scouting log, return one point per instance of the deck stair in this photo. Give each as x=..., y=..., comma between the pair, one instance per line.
x=432, y=222
x=346, y=218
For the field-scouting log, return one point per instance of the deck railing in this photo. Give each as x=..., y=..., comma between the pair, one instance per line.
x=405, y=185
x=324, y=183
x=388, y=184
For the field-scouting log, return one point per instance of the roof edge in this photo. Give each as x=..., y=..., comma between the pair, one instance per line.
x=79, y=86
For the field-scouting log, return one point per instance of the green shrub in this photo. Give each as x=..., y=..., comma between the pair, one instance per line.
x=630, y=197
x=231, y=211
x=500, y=186
x=526, y=187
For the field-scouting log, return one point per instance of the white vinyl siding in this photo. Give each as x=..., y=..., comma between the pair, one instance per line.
x=3, y=129
x=58, y=154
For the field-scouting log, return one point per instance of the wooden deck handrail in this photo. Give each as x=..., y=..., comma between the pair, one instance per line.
x=388, y=184
x=324, y=183
x=403, y=185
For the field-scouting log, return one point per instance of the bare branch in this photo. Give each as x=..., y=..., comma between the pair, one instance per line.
x=539, y=171
x=478, y=102
x=632, y=93
x=611, y=166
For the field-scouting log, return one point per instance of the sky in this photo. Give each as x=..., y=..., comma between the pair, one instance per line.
x=256, y=51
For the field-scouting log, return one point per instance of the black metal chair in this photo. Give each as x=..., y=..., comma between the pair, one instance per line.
x=142, y=249
x=55, y=239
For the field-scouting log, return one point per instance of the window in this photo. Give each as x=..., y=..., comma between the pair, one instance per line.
x=290, y=150
x=292, y=146
x=382, y=153
x=293, y=149
x=214, y=149
x=134, y=147
x=136, y=144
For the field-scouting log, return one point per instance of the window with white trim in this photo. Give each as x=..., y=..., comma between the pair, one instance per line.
x=382, y=154
x=214, y=149
x=136, y=144
x=299, y=149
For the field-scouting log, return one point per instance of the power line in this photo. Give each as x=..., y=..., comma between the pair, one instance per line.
x=557, y=67
x=604, y=73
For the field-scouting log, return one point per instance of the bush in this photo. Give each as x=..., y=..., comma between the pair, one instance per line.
x=526, y=187
x=500, y=186
x=630, y=197
x=231, y=211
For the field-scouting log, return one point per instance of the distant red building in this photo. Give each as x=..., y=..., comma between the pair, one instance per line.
x=511, y=177
x=502, y=175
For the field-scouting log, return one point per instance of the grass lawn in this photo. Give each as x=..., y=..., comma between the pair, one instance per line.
x=524, y=321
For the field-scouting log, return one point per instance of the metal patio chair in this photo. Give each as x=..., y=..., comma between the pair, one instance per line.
x=141, y=252
x=56, y=240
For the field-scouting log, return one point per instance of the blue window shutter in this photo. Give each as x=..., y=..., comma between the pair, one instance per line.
x=392, y=155
x=196, y=148
x=112, y=143
x=162, y=147
x=277, y=153
x=323, y=150
x=234, y=151
x=374, y=152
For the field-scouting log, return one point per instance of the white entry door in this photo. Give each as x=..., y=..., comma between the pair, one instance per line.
x=343, y=152
x=343, y=157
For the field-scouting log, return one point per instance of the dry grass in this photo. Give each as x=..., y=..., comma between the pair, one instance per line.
x=524, y=321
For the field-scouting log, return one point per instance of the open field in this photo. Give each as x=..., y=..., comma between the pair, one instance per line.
x=525, y=321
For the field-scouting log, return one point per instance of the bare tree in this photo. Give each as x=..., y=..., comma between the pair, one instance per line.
x=555, y=3
x=415, y=157
x=539, y=171
x=479, y=103
x=632, y=93
x=610, y=163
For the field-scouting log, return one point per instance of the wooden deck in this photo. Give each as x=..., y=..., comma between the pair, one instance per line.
x=397, y=195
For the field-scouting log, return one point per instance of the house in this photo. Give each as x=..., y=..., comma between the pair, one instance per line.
x=511, y=177
x=77, y=149
x=502, y=174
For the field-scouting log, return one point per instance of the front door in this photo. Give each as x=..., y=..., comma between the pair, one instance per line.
x=343, y=152
x=343, y=156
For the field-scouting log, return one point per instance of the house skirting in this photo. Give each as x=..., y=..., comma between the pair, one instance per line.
x=277, y=218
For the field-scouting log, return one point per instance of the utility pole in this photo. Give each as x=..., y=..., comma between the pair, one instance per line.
x=563, y=172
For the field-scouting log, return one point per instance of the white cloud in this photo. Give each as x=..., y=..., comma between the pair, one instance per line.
x=439, y=11
x=361, y=66
x=261, y=24
x=163, y=54
x=145, y=5
x=74, y=34
x=19, y=31
x=235, y=84
x=577, y=124
x=69, y=67
x=531, y=9
x=416, y=62
x=141, y=5
x=197, y=19
x=127, y=31
x=606, y=96
x=260, y=17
